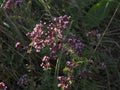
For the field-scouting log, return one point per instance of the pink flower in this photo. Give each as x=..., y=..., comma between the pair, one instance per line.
x=45, y=62
x=41, y=38
x=36, y=36
x=18, y=44
x=46, y=58
x=3, y=86
x=64, y=82
x=8, y=4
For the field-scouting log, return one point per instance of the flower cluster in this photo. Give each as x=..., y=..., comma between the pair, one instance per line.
x=9, y=3
x=3, y=86
x=75, y=44
x=36, y=37
x=94, y=33
x=52, y=37
x=45, y=62
x=65, y=82
x=22, y=80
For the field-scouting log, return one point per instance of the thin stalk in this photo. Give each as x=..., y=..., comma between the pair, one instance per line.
x=100, y=40
x=46, y=6
x=106, y=28
x=17, y=30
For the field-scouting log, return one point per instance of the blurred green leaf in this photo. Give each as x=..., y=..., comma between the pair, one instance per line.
x=97, y=13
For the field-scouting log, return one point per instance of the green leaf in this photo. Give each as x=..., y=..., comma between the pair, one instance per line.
x=97, y=13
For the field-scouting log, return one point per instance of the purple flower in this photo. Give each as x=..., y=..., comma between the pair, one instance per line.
x=22, y=80
x=75, y=44
x=71, y=65
x=68, y=63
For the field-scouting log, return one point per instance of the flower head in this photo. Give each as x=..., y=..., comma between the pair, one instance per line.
x=65, y=82
x=3, y=86
x=8, y=4
x=75, y=44
x=18, y=45
x=45, y=62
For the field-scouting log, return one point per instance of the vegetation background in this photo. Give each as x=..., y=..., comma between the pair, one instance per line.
x=102, y=16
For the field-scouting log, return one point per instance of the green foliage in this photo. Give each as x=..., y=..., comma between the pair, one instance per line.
x=97, y=13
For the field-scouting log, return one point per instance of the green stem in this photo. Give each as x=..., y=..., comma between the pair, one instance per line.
x=107, y=27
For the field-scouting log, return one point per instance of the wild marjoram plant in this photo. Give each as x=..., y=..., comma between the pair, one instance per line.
x=57, y=44
x=54, y=59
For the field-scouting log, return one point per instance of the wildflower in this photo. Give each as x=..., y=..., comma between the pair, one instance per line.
x=46, y=58
x=62, y=21
x=21, y=47
x=65, y=82
x=35, y=36
x=54, y=48
x=55, y=32
x=3, y=86
x=53, y=37
x=75, y=44
x=71, y=65
x=45, y=62
x=25, y=47
x=18, y=45
x=8, y=4
x=22, y=80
